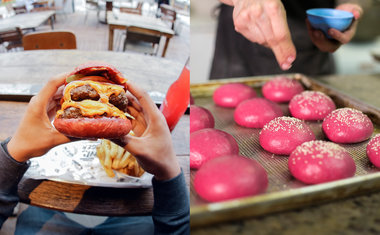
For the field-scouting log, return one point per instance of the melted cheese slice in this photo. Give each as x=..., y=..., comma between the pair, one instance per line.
x=91, y=108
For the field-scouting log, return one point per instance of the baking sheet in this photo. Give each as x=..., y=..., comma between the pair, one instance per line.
x=284, y=192
x=76, y=162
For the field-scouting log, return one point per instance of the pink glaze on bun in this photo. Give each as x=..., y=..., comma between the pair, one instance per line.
x=84, y=127
x=256, y=112
x=230, y=95
x=319, y=161
x=347, y=126
x=281, y=89
x=200, y=118
x=283, y=134
x=210, y=143
x=230, y=177
x=373, y=150
x=311, y=105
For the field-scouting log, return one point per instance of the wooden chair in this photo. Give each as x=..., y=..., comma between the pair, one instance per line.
x=168, y=14
x=130, y=10
x=11, y=38
x=142, y=40
x=49, y=40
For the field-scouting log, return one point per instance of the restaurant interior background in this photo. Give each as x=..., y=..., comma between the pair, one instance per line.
x=86, y=19
x=87, y=22
x=353, y=58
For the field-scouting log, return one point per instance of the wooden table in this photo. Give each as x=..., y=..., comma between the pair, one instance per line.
x=35, y=67
x=143, y=24
x=28, y=20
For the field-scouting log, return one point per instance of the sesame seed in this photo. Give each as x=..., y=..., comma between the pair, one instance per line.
x=348, y=116
x=374, y=144
x=286, y=124
x=320, y=149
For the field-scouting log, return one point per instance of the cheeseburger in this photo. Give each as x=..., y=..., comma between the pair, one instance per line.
x=94, y=103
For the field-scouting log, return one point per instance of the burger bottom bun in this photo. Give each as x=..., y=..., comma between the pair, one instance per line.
x=104, y=127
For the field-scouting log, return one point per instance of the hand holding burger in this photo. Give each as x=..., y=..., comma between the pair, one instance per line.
x=152, y=146
x=35, y=134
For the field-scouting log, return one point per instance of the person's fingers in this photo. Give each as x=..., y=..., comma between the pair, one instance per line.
x=343, y=37
x=59, y=93
x=147, y=104
x=43, y=97
x=132, y=101
x=339, y=36
x=321, y=41
x=132, y=111
x=270, y=40
x=141, y=95
x=283, y=48
x=139, y=124
x=314, y=34
x=355, y=9
x=133, y=144
x=253, y=34
x=247, y=26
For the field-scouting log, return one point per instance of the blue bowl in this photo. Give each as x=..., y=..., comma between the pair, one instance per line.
x=326, y=18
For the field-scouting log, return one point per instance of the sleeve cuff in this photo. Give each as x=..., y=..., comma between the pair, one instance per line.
x=11, y=171
x=172, y=195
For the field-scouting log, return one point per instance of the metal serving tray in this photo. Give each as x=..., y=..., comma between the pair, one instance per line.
x=284, y=192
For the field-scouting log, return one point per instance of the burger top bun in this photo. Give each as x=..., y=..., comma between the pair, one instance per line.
x=96, y=68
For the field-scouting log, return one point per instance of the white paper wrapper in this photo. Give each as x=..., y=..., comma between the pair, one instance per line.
x=76, y=162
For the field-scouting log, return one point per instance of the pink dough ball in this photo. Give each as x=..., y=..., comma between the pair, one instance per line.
x=230, y=177
x=230, y=95
x=210, y=143
x=256, y=112
x=311, y=105
x=319, y=161
x=373, y=150
x=347, y=126
x=283, y=134
x=200, y=118
x=281, y=89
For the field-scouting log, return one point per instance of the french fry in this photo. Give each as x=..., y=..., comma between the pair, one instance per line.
x=100, y=153
x=113, y=149
x=109, y=172
x=113, y=157
x=136, y=168
x=107, y=156
x=119, y=154
x=124, y=160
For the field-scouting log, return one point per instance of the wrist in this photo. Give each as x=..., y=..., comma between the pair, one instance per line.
x=168, y=173
x=16, y=152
